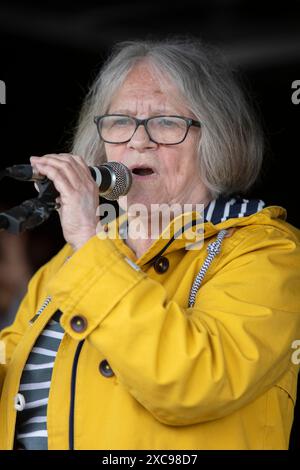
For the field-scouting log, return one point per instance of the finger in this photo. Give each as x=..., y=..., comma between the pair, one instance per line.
x=60, y=181
x=57, y=203
x=71, y=172
x=82, y=165
x=78, y=159
x=64, y=186
x=73, y=165
x=75, y=160
x=67, y=157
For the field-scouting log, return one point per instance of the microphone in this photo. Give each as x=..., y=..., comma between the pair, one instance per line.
x=113, y=179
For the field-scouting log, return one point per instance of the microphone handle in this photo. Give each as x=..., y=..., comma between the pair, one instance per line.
x=24, y=173
x=113, y=179
x=103, y=177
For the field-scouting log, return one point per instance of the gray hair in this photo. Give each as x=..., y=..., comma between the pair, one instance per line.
x=231, y=145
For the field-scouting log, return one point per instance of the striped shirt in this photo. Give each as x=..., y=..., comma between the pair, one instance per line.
x=31, y=426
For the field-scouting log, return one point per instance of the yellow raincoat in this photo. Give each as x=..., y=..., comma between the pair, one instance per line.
x=215, y=375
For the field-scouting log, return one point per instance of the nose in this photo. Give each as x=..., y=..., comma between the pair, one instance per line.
x=141, y=140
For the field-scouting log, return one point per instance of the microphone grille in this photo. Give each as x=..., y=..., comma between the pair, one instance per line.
x=121, y=180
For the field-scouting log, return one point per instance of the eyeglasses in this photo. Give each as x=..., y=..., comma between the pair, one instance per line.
x=167, y=130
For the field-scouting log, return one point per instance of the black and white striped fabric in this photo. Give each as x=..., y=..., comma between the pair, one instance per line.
x=222, y=208
x=31, y=427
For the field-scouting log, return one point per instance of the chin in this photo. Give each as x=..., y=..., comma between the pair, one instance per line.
x=126, y=202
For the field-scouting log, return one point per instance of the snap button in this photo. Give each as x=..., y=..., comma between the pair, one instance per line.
x=19, y=402
x=78, y=323
x=105, y=369
x=161, y=265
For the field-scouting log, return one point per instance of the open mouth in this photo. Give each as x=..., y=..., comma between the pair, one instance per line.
x=142, y=171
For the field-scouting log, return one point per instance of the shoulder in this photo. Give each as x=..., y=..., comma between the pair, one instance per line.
x=258, y=265
x=37, y=286
x=264, y=229
x=258, y=243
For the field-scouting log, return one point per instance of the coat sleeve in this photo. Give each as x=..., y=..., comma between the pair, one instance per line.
x=185, y=365
x=10, y=336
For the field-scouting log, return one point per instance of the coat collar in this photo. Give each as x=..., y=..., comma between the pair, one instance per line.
x=188, y=231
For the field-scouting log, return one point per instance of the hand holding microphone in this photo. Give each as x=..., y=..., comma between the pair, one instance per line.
x=78, y=187
x=113, y=179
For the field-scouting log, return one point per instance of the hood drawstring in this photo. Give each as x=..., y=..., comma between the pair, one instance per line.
x=213, y=249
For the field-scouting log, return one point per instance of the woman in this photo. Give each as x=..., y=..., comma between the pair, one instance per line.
x=142, y=343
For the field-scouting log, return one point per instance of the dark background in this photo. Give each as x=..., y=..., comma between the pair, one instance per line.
x=50, y=53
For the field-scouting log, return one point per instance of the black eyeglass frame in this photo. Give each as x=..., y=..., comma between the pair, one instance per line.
x=143, y=122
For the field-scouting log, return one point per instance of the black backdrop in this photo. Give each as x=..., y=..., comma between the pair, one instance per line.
x=49, y=53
